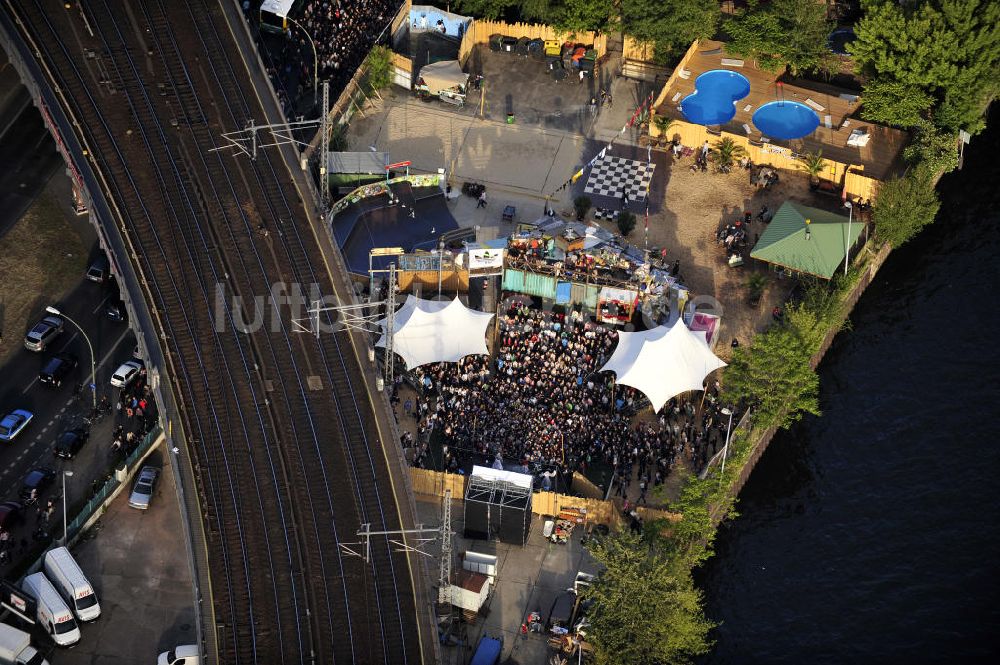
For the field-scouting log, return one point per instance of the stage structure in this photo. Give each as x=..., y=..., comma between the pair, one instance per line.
x=498, y=505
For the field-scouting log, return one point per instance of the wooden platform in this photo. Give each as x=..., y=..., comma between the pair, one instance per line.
x=881, y=157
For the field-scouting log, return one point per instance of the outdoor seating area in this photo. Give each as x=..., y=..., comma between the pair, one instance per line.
x=767, y=106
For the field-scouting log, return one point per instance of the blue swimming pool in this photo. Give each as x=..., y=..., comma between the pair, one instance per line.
x=713, y=101
x=785, y=120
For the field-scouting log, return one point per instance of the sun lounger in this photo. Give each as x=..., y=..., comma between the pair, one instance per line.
x=815, y=106
x=731, y=62
x=675, y=97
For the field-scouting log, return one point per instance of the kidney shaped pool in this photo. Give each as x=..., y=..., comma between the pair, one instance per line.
x=713, y=101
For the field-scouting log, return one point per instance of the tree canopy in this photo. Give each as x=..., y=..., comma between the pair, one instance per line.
x=773, y=373
x=646, y=608
x=671, y=24
x=948, y=50
x=782, y=33
x=905, y=205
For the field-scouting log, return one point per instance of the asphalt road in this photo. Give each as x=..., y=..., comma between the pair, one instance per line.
x=28, y=156
x=56, y=409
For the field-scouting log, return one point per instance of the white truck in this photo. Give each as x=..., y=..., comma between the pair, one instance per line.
x=52, y=615
x=61, y=568
x=16, y=649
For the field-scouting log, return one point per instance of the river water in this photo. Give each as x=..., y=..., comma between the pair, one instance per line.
x=871, y=534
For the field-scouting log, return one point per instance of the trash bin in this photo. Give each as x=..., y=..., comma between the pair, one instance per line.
x=510, y=118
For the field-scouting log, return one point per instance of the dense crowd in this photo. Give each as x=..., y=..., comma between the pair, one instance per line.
x=343, y=33
x=541, y=403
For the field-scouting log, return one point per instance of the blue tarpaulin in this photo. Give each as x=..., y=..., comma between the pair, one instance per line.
x=488, y=652
x=563, y=293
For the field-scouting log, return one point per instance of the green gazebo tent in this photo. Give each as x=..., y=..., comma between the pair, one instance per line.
x=807, y=240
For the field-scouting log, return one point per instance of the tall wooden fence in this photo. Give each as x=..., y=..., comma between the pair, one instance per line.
x=479, y=32
x=635, y=49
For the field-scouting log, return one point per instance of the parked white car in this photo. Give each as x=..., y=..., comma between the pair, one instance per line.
x=125, y=374
x=186, y=654
x=142, y=491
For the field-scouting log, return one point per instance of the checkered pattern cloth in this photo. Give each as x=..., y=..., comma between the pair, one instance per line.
x=610, y=175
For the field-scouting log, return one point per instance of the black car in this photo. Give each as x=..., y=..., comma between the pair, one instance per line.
x=116, y=311
x=58, y=368
x=70, y=442
x=36, y=481
x=10, y=514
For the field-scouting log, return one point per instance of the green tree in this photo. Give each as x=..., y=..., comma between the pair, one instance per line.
x=671, y=24
x=581, y=15
x=813, y=164
x=905, y=205
x=626, y=223
x=890, y=102
x=935, y=148
x=379, y=63
x=949, y=49
x=488, y=9
x=725, y=152
x=782, y=33
x=773, y=373
x=646, y=608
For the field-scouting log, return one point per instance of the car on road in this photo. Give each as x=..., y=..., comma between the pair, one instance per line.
x=98, y=271
x=115, y=311
x=10, y=514
x=44, y=332
x=58, y=368
x=14, y=423
x=125, y=374
x=142, y=491
x=36, y=481
x=186, y=654
x=69, y=442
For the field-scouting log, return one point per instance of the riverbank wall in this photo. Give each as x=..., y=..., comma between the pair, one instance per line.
x=869, y=265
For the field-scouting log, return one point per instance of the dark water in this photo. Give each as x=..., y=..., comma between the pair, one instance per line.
x=872, y=534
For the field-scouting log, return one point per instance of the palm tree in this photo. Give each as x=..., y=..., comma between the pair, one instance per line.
x=813, y=164
x=726, y=152
x=663, y=125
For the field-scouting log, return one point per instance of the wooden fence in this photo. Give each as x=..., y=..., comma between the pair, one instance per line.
x=479, y=32
x=634, y=49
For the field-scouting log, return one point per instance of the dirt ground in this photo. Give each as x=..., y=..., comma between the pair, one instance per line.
x=694, y=206
x=42, y=258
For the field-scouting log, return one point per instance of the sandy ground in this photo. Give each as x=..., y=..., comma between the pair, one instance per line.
x=42, y=257
x=694, y=207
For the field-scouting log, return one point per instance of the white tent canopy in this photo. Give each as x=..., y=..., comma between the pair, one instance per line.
x=430, y=331
x=662, y=362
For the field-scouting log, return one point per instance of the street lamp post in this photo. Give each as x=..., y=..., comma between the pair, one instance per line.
x=66, y=474
x=725, y=449
x=847, y=242
x=315, y=60
x=440, y=263
x=93, y=358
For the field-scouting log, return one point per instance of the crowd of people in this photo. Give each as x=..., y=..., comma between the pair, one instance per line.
x=541, y=403
x=343, y=32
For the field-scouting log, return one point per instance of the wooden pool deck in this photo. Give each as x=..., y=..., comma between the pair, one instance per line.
x=837, y=110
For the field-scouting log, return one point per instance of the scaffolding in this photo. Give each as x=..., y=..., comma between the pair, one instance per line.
x=498, y=506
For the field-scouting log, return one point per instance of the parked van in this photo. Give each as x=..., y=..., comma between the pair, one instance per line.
x=53, y=615
x=61, y=568
x=16, y=649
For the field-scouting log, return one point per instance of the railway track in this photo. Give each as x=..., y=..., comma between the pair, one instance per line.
x=287, y=450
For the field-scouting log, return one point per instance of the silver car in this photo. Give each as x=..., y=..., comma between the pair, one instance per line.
x=43, y=333
x=142, y=492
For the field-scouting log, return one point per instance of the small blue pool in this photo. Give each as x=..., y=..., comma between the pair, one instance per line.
x=713, y=101
x=785, y=120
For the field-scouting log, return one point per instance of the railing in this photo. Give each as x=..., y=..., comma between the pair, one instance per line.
x=108, y=491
